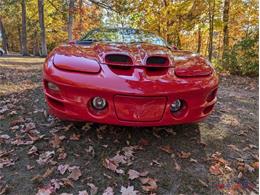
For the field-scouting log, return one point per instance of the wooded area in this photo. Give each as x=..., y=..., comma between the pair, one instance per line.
x=226, y=31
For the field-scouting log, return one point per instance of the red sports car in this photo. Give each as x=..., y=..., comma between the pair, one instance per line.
x=128, y=77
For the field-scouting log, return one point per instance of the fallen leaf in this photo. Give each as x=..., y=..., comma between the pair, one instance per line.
x=184, y=155
x=193, y=160
x=252, y=146
x=168, y=149
x=177, y=166
x=255, y=165
x=45, y=157
x=5, y=136
x=32, y=150
x=45, y=191
x=128, y=191
x=234, y=147
x=63, y=168
x=109, y=164
x=133, y=174
x=75, y=173
x=55, y=142
x=143, y=142
x=149, y=184
x=83, y=192
x=75, y=137
x=215, y=169
x=93, y=188
x=108, y=191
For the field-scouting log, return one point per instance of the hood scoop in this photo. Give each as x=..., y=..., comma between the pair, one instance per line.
x=157, y=61
x=118, y=60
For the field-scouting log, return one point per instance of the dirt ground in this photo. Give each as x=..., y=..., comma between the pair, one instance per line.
x=41, y=154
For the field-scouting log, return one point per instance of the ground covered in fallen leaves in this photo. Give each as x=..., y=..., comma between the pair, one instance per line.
x=43, y=155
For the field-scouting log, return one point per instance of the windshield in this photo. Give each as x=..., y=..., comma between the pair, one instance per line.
x=122, y=35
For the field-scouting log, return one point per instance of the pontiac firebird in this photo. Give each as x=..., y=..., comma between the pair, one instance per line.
x=128, y=77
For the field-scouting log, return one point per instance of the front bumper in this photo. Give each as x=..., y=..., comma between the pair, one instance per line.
x=72, y=102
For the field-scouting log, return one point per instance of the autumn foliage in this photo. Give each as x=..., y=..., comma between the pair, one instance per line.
x=226, y=31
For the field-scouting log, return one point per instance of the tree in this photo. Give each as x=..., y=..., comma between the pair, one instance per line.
x=70, y=19
x=211, y=4
x=4, y=37
x=42, y=27
x=24, y=33
x=225, y=29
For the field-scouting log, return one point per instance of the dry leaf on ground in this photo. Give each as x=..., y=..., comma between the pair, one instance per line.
x=128, y=191
x=149, y=184
x=75, y=173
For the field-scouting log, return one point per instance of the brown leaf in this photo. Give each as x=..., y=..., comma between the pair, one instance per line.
x=255, y=165
x=75, y=137
x=168, y=149
x=75, y=173
x=133, y=174
x=93, y=188
x=234, y=147
x=45, y=157
x=149, y=184
x=143, y=142
x=108, y=191
x=109, y=164
x=177, y=166
x=63, y=168
x=184, y=155
x=128, y=191
x=32, y=150
x=44, y=191
x=55, y=142
x=215, y=169
x=83, y=192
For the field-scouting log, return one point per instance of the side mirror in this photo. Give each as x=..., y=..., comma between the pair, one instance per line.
x=72, y=42
x=174, y=48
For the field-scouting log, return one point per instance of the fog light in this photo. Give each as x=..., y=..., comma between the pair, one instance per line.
x=53, y=86
x=176, y=105
x=99, y=103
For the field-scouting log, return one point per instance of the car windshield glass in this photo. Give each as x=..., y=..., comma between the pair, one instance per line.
x=124, y=35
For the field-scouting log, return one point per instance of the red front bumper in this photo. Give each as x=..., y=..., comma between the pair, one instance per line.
x=131, y=102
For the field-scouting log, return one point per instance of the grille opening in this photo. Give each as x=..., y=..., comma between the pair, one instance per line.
x=157, y=60
x=118, y=59
x=55, y=103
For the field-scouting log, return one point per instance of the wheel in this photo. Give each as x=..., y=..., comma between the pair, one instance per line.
x=1, y=53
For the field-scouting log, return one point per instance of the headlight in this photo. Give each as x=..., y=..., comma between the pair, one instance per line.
x=76, y=64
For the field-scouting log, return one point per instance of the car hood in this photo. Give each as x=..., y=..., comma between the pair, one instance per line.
x=185, y=63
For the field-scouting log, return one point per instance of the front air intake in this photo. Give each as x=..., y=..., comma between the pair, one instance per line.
x=118, y=59
x=157, y=61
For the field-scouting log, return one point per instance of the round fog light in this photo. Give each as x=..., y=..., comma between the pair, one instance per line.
x=99, y=103
x=53, y=86
x=176, y=105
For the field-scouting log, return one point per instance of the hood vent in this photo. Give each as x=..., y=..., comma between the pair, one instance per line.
x=157, y=61
x=118, y=59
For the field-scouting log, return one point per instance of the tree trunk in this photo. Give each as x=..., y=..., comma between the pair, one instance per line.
x=80, y=16
x=24, y=34
x=36, y=49
x=70, y=19
x=211, y=27
x=42, y=26
x=225, y=29
x=199, y=40
x=20, y=38
x=4, y=37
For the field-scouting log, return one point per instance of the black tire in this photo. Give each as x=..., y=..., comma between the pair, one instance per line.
x=1, y=53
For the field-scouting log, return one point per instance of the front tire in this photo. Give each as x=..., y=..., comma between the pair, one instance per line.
x=1, y=53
